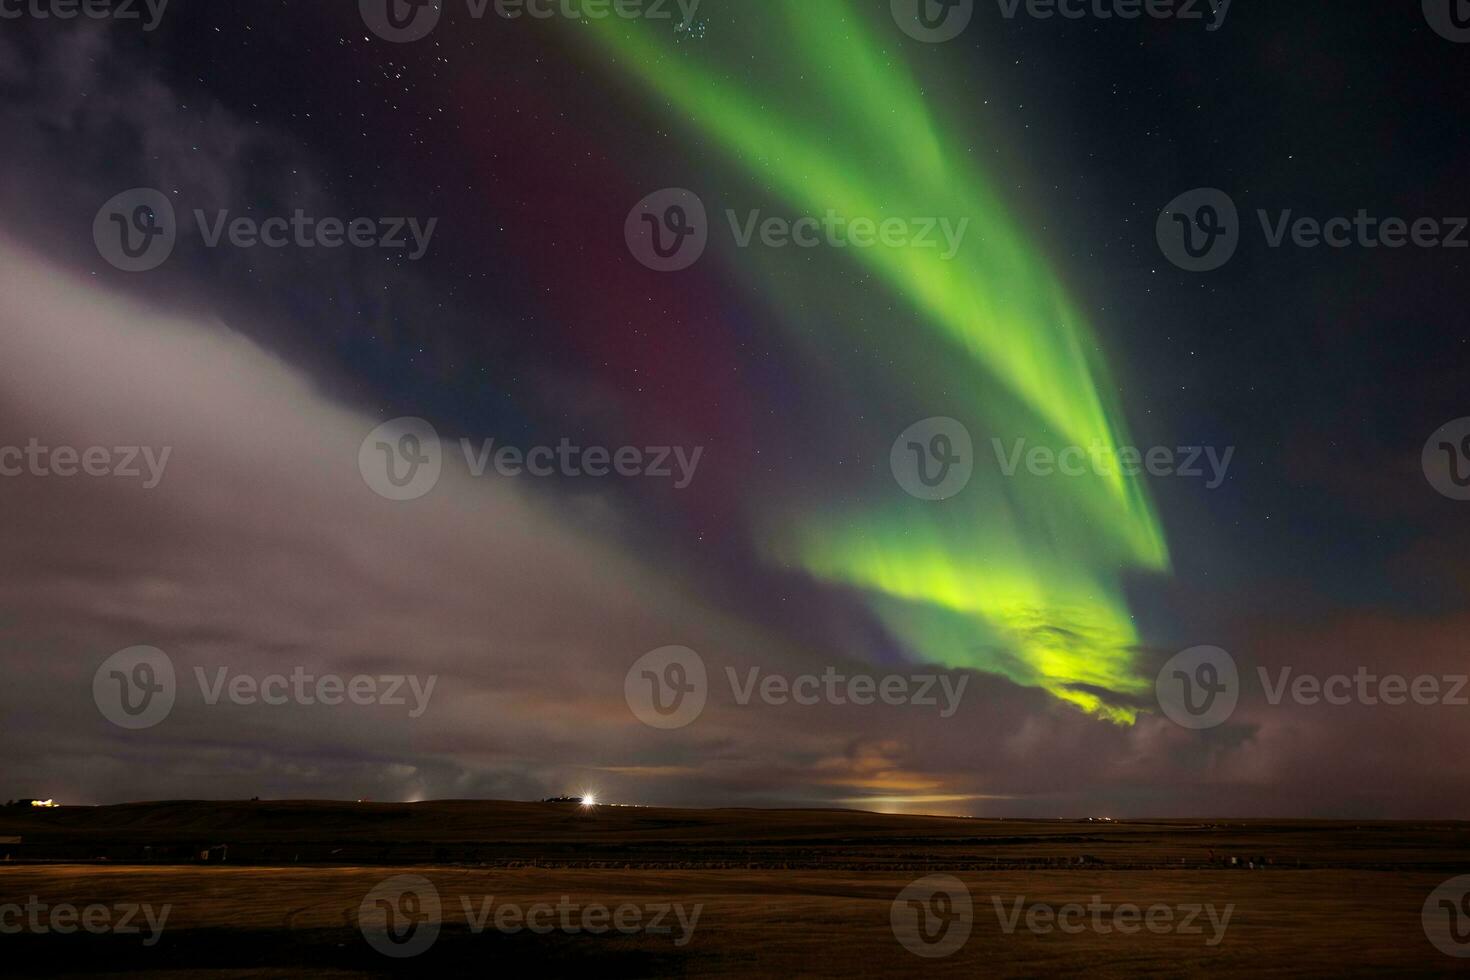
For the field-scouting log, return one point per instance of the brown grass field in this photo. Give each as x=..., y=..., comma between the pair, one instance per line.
x=780, y=893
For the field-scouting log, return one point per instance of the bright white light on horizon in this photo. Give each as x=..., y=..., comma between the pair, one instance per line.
x=588, y=799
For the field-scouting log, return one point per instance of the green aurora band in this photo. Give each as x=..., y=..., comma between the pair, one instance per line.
x=1019, y=575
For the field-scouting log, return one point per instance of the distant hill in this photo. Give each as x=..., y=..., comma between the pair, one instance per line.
x=509, y=833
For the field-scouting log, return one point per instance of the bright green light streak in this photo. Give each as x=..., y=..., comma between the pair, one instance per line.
x=1018, y=576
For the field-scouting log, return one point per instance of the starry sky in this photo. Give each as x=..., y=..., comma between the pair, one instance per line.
x=529, y=320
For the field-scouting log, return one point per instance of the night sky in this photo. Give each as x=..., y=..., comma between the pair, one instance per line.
x=1325, y=547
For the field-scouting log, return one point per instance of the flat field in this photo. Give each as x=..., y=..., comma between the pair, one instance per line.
x=555, y=889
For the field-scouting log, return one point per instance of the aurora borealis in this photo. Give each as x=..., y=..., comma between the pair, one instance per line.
x=1019, y=578
x=896, y=232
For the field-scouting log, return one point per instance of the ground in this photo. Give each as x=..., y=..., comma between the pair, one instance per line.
x=795, y=892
